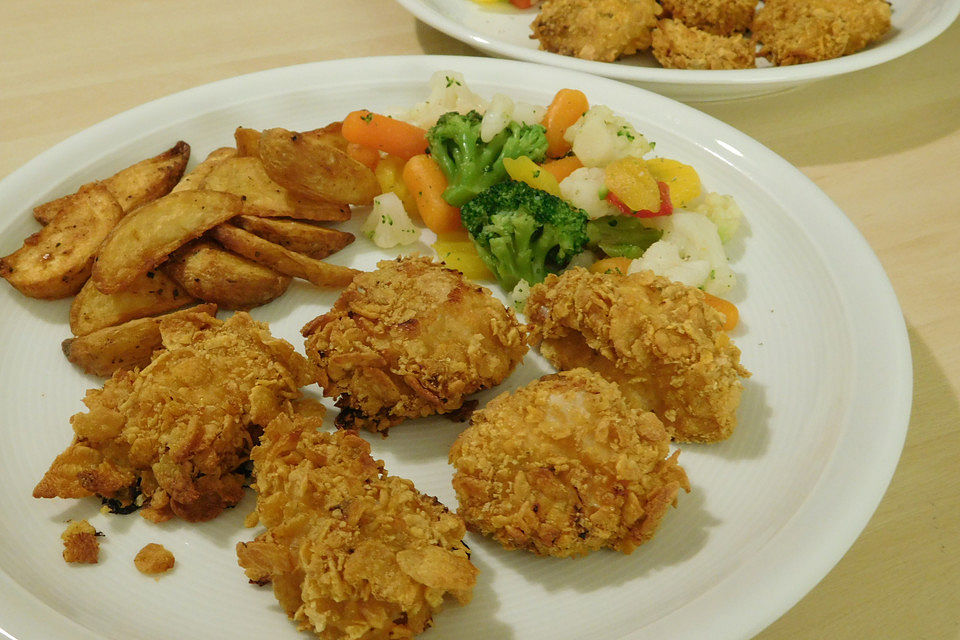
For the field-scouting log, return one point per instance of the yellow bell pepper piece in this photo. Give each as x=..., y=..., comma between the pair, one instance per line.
x=523, y=169
x=630, y=180
x=389, y=174
x=461, y=254
x=683, y=180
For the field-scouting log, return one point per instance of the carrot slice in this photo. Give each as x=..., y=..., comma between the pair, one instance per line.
x=563, y=167
x=727, y=308
x=384, y=134
x=425, y=180
x=611, y=265
x=567, y=107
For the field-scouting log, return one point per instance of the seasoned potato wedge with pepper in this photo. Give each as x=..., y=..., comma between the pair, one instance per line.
x=307, y=164
x=247, y=141
x=210, y=272
x=246, y=178
x=283, y=260
x=150, y=293
x=309, y=239
x=57, y=260
x=195, y=178
x=125, y=346
x=145, y=238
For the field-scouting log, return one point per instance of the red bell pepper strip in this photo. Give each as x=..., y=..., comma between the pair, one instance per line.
x=666, y=206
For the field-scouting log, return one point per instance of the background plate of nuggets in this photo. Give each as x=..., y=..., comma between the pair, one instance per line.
x=713, y=45
x=770, y=509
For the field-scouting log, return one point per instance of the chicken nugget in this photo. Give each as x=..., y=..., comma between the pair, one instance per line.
x=411, y=339
x=565, y=466
x=603, y=30
x=677, y=46
x=719, y=17
x=800, y=31
x=657, y=339
x=351, y=551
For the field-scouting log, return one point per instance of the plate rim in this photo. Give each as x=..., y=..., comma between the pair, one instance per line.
x=727, y=78
x=777, y=596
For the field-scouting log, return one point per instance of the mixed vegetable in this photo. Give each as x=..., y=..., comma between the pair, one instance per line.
x=516, y=191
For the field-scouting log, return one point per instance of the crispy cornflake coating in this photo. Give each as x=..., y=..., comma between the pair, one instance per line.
x=677, y=46
x=719, y=17
x=657, y=339
x=565, y=466
x=601, y=30
x=351, y=551
x=153, y=559
x=171, y=438
x=411, y=339
x=80, y=543
x=799, y=31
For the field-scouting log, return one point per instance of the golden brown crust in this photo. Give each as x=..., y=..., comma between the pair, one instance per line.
x=565, y=466
x=153, y=559
x=677, y=46
x=80, y=543
x=719, y=17
x=411, y=339
x=351, y=551
x=658, y=339
x=800, y=31
x=601, y=30
x=173, y=436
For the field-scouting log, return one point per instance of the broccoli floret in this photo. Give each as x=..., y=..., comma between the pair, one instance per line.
x=621, y=236
x=522, y=233
x=472, y=165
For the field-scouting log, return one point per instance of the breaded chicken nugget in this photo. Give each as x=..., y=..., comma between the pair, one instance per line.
x=601, y=30
x=799, y=31
x=565, y=466
x=719, y=17
x=351, y=551
x=657, y=339
x=677, y=46
x=411, y=339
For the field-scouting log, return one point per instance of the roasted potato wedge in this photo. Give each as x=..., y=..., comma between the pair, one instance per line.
x=125, y=346
x=209, y=272
x=136, y=185
x=283, y=260
x=150, y=293
x=194, y=178
x=57, y=260
x=302, y=237
x=145, y=237
x=330, y=134
x=307, y=165
x=246, y=178
x=247, y=141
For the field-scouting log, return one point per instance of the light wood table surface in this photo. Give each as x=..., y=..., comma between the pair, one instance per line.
x=884, y=143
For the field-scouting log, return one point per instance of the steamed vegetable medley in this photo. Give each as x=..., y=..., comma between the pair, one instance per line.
x=515, y=191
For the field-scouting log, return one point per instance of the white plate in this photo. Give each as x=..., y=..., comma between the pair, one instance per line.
x=772, y=509
x=503, y=31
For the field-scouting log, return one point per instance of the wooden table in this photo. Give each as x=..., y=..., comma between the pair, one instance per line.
x=883, y=143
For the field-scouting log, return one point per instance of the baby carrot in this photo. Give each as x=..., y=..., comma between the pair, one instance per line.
x=727, y=308
x=364, y=155
x=425, y=180
x=563, y=167
x=567, y=107
x=385, y=134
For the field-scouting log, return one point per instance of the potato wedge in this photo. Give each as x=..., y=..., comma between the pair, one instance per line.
x=309, y=239
x=145, y=238
x=245, y=177
x=330, y=134
x=209, y=272
x=307, y=165
x=150, y=293
x=125, y=346
x=57, y=260
x=283, y=260
x=194, y=178
x=247, y=141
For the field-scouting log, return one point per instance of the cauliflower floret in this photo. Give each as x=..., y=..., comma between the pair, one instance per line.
x=518, y=297
x=723, y=211
x=702, y=260
x=502, y=110
x=448, y=92
x=600, y=136
x=388, y=223
x=585, y=188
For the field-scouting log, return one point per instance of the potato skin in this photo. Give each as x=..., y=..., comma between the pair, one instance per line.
x=149, y=294
x=56, y=261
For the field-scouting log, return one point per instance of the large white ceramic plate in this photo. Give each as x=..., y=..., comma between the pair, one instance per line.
x=501, y=30
x=772, y=509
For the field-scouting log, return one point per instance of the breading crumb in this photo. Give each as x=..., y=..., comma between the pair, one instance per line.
x=80, y=542
x=153, y=559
